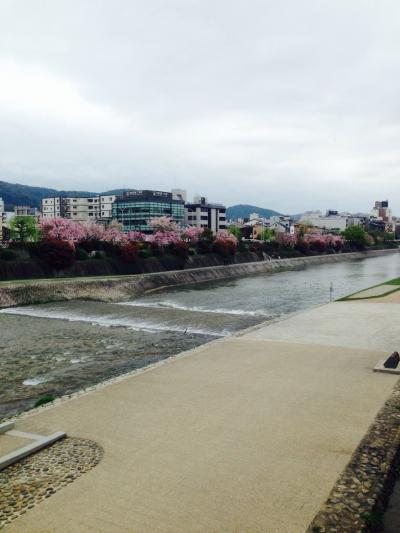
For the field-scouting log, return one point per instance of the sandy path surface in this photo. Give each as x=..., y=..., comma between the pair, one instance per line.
x=246, y=434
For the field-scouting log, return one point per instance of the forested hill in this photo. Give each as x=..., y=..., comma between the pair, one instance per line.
x=244, y=210
x=17, y=194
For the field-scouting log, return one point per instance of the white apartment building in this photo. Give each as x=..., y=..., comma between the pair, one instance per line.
x=26, y=211
x=329, y=222
x=202, y=214
x=81, y=208
x=106, y=203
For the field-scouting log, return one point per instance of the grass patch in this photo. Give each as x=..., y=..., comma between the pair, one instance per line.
x=395, y=281
x=351, y=297
x=44, y=399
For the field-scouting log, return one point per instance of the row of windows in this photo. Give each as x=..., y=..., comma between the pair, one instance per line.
x=140, y=210
x=205, y=209
x=75, y=200
x=148, y=204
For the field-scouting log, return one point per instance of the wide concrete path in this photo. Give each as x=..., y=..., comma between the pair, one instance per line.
x=247, y=434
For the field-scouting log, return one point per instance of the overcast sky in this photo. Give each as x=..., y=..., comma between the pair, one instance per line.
x=289, y=104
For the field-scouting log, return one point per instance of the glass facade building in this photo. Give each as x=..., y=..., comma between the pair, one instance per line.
x=136, y=208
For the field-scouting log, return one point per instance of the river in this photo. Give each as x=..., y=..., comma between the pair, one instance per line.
x=61, y=348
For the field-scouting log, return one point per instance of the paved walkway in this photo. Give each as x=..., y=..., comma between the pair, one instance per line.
x=247, y=434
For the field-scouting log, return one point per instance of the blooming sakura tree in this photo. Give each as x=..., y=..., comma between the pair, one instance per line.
x=226, y=236
x=163, y=225
x=319, y=242
x=136, y=236
x=62, y=229
x=166, y=233
x=192, y=234
x=286, y=240
x=93, y=231
x=114, y=235
x=163, y=238
x=225, y=244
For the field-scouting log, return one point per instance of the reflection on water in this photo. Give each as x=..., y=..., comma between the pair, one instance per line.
x=63, y=347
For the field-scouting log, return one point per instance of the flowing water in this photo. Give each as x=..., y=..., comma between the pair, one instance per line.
x=60, y=348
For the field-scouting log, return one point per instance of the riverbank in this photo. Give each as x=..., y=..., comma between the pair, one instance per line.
x=120, y=288
x=232, y=430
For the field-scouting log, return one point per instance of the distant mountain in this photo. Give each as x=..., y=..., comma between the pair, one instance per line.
x=244, y=210
x=17, y=194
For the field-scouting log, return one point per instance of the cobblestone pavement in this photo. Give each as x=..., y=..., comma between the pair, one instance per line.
x=26, y=483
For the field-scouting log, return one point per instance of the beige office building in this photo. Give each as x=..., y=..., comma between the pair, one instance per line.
x=81, y=208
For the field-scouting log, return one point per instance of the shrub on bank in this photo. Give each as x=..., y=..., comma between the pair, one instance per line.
x=89, y=245
x=56, y=254
x=129, y=253
x=47, y=398
x=180, y=249
x=7, y=255
x=145, y=253
x=223, y=248
x=81, y=254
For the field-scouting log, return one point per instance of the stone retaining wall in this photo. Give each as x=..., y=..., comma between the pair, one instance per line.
x=122, y=288
x=360, y=495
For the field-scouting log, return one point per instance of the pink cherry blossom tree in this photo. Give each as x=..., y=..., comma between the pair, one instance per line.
x=163, y=225
x=286, y=240
x=226, y=236
x=62, y=229
x=136, y=236
x=163, y=238
x=192, y=234
x=93, y=231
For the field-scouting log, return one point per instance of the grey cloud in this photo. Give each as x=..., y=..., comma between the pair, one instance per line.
x=290, y=104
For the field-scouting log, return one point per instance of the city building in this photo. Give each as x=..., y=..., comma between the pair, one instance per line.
x=26, y=211
x=332, y=221
x=381, y=211
x=80, y=208
x=134, y=209
x=106, y=204
x=202, y=214
x=255, y=226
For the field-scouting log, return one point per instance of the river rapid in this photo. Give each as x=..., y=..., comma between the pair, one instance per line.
x=61, y=348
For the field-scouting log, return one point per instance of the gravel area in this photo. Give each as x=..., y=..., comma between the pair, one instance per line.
x=26, y=483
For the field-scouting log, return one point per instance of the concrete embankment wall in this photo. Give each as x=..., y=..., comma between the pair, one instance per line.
x=128, y=287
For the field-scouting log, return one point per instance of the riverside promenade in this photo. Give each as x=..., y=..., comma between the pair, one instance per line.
x=246, y=434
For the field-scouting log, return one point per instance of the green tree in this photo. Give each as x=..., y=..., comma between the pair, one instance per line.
x=356, y=236
x=267, y=234
x=235, y=231
x=23, y=228
x=388, y=236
